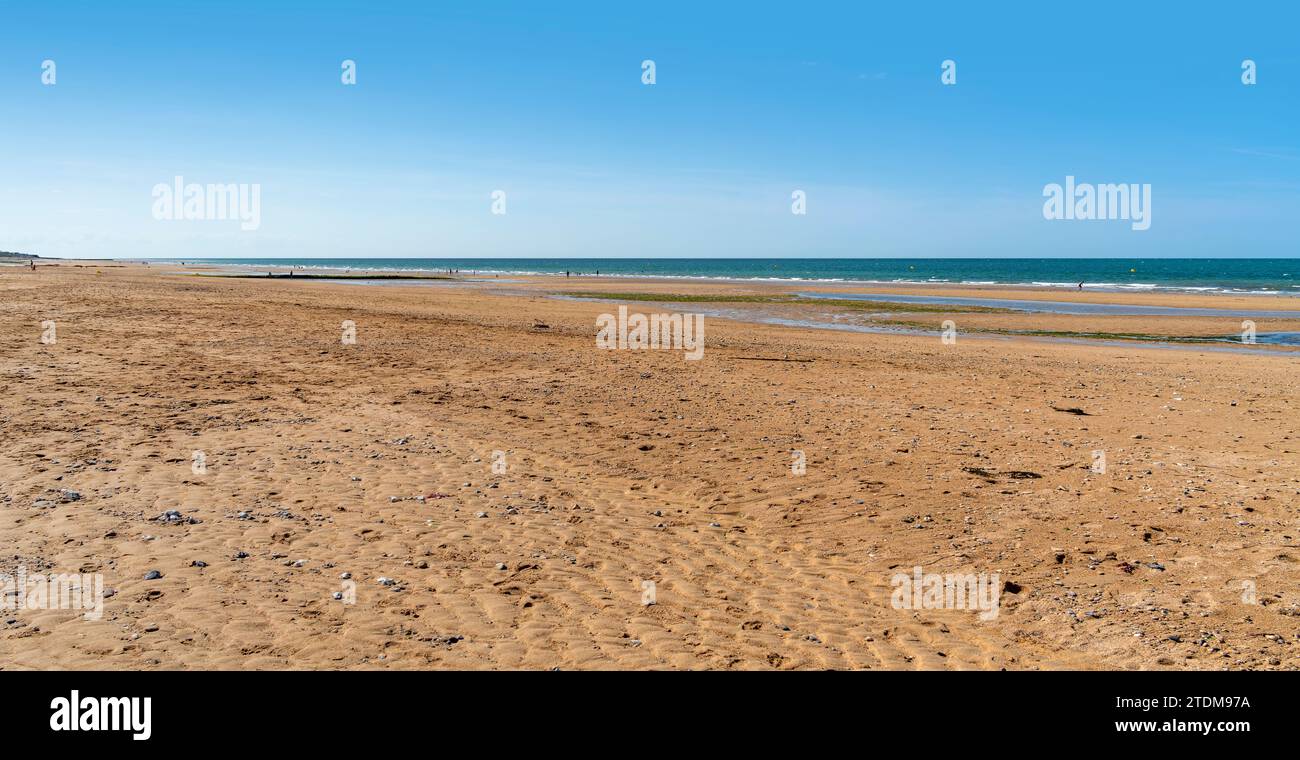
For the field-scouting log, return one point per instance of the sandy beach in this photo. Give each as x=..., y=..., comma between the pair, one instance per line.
x=524, y=494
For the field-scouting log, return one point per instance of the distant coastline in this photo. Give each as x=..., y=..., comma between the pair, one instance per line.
x=1208, y=276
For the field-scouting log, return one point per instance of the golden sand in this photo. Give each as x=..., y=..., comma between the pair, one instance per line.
x=622, y=468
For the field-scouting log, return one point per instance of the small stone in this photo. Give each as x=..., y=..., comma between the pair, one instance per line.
x=501, y=566
x=338, y=595
x=386, y=581
x=481, y=514
x=345, y=576
x=198, y=563
x=152, y=575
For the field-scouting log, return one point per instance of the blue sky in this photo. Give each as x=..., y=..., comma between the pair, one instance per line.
x=545, y=101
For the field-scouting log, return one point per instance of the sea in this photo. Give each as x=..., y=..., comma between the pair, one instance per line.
x=1242, y=275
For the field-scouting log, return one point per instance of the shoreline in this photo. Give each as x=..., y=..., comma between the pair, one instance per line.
x=1162, y=320
x=1195, y=313
x=1031, y=286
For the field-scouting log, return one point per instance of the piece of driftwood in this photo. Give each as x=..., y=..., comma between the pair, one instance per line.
x=772, y=359
x=1071, y=410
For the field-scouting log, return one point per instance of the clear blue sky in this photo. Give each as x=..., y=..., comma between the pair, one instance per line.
x=545, y=102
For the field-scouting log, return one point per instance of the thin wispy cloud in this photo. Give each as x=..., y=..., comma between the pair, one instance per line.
x=1281, y=154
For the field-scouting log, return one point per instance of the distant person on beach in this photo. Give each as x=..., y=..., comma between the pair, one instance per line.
x=1081, y=286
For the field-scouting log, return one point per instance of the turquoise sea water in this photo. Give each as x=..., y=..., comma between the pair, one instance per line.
x=1265, y=276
